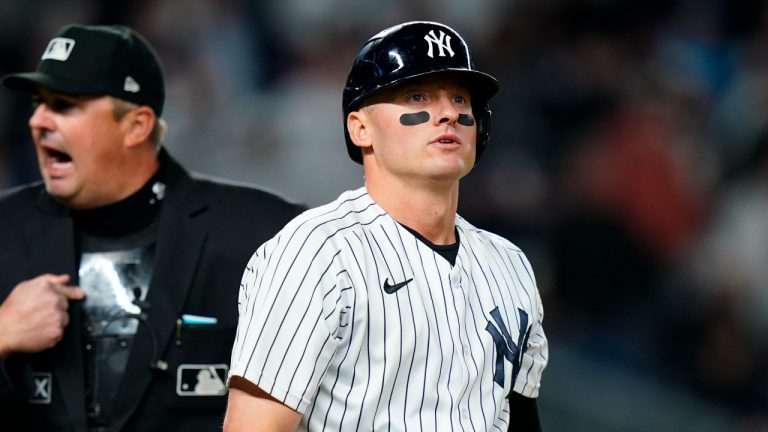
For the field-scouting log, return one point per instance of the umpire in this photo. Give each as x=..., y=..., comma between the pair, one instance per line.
x=119, y=272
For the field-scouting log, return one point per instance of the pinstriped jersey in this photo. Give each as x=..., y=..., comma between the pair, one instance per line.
x=348, y=318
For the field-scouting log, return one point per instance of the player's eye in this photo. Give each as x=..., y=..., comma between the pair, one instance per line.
x=416, y=97
x=459, y=99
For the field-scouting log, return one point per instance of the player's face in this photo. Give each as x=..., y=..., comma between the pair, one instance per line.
x=424, y=129
x=78, y=145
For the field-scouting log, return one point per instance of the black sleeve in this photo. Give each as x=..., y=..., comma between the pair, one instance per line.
x=523, y=414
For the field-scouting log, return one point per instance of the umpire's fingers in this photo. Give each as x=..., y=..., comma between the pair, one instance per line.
x=72, y=292
x=57, y=279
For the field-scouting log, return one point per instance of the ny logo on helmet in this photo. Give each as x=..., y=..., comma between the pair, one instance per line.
x=443, y=43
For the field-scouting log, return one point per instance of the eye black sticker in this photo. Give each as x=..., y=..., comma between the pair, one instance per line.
x=466, y=120
x=413, y=119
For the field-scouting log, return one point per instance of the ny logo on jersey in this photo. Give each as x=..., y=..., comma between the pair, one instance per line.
x=506, y=348
x=443, y=43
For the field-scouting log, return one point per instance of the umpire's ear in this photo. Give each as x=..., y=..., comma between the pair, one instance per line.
x=137, y=125
x=359, y=128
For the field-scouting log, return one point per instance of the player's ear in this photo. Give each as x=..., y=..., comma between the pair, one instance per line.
x=359, y=128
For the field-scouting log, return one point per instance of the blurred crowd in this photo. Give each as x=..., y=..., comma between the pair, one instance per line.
x=628, y=153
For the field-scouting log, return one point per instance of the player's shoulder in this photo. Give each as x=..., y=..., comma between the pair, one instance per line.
x=474, y=234
x=352, y=211
x=488, y=244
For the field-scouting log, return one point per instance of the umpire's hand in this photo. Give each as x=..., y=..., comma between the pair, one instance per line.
x=34, y=315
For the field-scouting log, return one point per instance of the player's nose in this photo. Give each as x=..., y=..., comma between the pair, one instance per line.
x=447, y=111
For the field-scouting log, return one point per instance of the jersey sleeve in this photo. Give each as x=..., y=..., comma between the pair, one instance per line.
x=289, y=317
x=536, y=354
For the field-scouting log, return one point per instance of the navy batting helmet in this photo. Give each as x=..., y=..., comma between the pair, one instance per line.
x=411, y=50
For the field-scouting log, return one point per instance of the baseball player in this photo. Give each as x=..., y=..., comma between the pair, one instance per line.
x=385, y=310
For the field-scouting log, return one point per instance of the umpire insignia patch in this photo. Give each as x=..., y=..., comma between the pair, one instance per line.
x=201, y=379
x=42, y=384
x=59, y=48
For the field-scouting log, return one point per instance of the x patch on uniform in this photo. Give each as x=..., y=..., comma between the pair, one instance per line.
x=42, y=384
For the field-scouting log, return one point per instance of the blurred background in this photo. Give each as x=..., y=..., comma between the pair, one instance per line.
x=628, y=158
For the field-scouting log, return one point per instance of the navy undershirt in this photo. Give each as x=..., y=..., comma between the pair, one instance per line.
x=449, y=252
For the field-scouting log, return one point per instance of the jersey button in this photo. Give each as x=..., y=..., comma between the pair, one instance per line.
x=455, y=283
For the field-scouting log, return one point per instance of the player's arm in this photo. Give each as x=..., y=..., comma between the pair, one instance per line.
x=523, y=414
x=251, y=408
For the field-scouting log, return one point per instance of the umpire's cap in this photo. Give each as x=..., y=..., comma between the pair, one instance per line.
x=410, y=50
x=97, y=60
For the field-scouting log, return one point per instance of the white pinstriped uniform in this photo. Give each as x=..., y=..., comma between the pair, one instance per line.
x=318, y=332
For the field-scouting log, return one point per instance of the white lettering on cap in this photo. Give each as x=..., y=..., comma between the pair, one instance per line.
x=59, y=48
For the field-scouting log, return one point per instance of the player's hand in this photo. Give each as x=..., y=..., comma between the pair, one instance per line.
x=34, y=315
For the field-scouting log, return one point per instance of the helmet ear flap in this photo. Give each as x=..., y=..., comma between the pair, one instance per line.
x=483, y=119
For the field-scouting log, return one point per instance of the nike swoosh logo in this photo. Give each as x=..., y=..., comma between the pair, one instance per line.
x=390, y=289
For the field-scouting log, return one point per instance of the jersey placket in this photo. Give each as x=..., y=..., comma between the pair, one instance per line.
x=463, y=350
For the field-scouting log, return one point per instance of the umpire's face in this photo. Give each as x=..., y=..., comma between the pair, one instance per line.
x=80, y=148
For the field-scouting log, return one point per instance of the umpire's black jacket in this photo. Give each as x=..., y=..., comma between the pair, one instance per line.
x=207, y=232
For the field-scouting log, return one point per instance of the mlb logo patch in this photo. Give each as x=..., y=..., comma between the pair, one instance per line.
x=59, y=48
x=201, y=379
x=42, y=384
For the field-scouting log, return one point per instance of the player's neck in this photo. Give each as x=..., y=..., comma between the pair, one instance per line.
x=430, y=212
